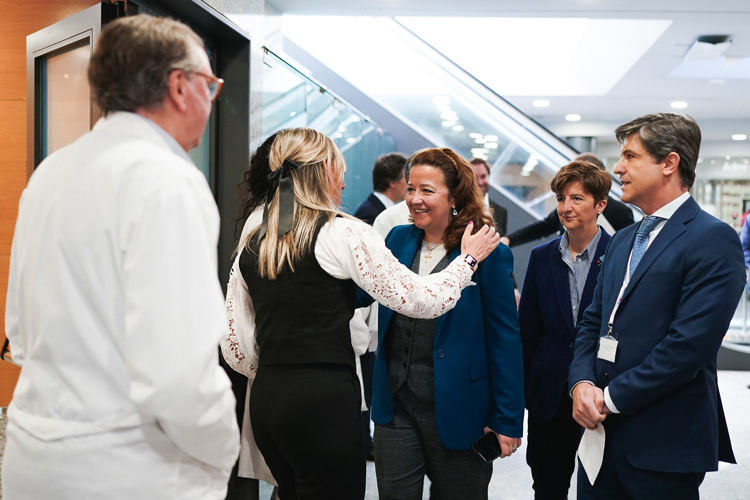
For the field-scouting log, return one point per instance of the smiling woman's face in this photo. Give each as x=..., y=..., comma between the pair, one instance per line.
x=429, y=201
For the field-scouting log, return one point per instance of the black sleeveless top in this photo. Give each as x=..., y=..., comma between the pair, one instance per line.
x=302, y=316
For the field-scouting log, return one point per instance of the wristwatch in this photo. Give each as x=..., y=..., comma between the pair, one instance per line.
x=471, y=261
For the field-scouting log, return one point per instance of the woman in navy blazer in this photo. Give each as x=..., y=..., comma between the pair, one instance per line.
x=459, y=376
x=558, y=270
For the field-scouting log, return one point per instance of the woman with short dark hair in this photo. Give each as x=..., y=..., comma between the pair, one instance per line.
x=558, y=287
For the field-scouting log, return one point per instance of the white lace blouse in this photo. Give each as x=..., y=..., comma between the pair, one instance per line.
x=346, y=249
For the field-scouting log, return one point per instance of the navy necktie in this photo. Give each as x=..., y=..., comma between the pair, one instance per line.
x=641, y=240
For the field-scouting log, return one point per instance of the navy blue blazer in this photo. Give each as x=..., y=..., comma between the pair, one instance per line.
x=369, y=209
x=670, y=323
x=546, y=322
x=477, y=352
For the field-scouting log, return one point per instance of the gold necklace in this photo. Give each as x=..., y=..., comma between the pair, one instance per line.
x=429, y=250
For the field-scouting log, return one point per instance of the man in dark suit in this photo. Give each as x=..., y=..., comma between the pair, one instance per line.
x=389, y=185
x=617, y=214
x=500, y=214
x=645, y=356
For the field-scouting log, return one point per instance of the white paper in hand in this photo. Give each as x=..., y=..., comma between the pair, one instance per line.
x=591, y=451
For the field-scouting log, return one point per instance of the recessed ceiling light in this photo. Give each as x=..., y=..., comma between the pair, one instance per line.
x=476, y=135
x=458, y=128
x=573, y=118
x=490, y=145
x=540, y=103
x=449, y=115
x=727, y=157
x=679, y=105
x=700, y=160
x=351, y=140
x=739, y=137
x=480, y=141
x=443, y=108
x=490, y=138
x=448, y=123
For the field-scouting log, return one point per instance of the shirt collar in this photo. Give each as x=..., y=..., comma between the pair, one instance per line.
x=174, y=146
x=387, y=202
x=668, y=210
x=590, y=248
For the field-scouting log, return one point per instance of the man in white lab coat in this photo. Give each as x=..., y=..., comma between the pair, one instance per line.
x=114, y=307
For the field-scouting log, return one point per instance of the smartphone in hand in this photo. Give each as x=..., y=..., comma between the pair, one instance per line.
x=487, y=447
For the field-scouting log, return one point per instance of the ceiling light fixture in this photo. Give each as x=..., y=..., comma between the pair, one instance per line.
x=708, y=48
x=490, y=138
x=458, y=128
x=679, y=105
x=540, y=103
x=573, y=117
x=476, y=135
x=739, y=137
x=449, y=123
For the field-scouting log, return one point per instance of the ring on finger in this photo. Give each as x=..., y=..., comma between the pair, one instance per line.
x=514, y=449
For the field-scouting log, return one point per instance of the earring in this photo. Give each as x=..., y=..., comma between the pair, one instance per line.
x=454, y=211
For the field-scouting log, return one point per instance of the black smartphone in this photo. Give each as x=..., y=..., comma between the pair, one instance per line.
x=487, y=447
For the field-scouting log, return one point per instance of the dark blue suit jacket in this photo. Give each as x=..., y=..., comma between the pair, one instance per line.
x=369, y=209
x=476, y=352
x=670, y=324
x=546, y=321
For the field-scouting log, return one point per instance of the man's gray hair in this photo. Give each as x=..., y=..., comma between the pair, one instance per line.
x=133, y=58
x=663, y=133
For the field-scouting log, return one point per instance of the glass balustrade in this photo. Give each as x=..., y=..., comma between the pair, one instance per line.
x=292, y=99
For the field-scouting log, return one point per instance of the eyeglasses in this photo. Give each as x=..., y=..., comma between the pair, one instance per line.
x=214, y=85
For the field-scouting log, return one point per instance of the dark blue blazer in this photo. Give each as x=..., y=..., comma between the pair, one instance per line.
x=670, y=324
x=369, y=209
x=545, y=318
x=476, y=352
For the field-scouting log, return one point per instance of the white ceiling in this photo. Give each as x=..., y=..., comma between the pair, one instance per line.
x=721, y=109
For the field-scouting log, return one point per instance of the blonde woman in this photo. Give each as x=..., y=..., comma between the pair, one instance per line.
x=291, y=295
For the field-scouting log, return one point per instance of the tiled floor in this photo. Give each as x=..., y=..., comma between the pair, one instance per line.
x=511, y=479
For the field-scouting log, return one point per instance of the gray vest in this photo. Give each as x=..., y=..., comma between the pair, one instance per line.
x=410, y=356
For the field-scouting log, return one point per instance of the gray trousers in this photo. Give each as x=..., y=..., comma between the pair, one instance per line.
x=409, y=446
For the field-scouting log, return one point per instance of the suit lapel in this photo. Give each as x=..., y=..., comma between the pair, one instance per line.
x=562, y=284
x=672, y=230
x=588, y=289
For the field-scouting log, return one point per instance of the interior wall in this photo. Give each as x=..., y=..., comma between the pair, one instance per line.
x=19, y=19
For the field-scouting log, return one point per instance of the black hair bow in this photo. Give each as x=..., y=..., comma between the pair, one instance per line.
x=280, y=179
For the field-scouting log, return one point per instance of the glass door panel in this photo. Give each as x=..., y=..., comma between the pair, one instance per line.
x=65, y=99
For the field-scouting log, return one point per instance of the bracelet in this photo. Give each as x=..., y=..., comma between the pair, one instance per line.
x=470, y=260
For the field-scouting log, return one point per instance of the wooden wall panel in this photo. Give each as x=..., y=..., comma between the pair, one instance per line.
x=19, y=18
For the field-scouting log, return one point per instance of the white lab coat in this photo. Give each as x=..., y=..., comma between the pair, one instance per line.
x=114, y=311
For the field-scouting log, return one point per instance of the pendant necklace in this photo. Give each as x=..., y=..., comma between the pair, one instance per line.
x=430, y=248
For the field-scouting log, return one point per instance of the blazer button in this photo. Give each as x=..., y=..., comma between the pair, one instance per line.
x=441, y=354
x=572, y=345
x=408, y=334
x=606, y=376
x=404, y=364
x=406, y=350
